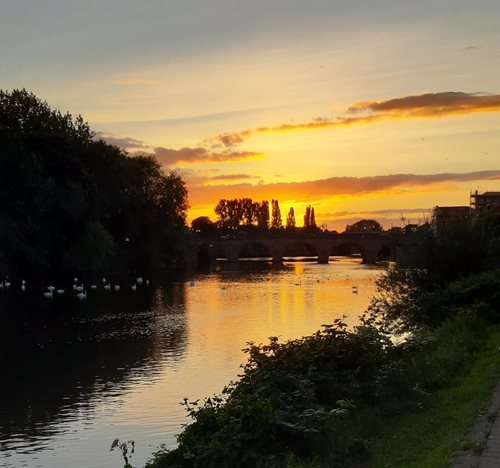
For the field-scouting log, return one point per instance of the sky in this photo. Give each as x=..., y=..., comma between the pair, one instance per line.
x=379, y=109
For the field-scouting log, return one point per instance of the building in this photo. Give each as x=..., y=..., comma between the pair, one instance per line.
x=449, y=215
x=483, y=203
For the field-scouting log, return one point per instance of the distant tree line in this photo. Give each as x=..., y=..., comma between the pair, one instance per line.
x=251, y=216
x=71, y=202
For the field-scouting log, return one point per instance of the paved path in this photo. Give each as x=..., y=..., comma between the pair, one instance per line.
x=490, y=457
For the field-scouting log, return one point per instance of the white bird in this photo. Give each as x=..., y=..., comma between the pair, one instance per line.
x=79, y=289
x=93, y=286
x=7, y=285
x=82, y=296
x=51, y=288
x=147, y=282
x=107, y=287
x=23, y=287
x=60, y=292
x=104, y=281
x=117, y=287
x=48, y=295
x=139, y=280
x=75, y=280
x=134, y=287
x=23, y=281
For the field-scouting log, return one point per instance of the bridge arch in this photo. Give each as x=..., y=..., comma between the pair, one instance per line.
x=254, y=249
x=299, y=248
x=348, y=249
x=385, y=252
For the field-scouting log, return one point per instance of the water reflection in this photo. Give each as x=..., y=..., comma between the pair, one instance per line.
x=75, y=376
x=60, y=359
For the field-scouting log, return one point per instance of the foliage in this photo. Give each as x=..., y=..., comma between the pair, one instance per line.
x=290, y=219
x=71, y=202
x=288, y=399
x=309, y=218
x=242, y=212
x=364, y=225
x=203, y=226
x=276, y=222
x=127, y=449
x=444, y=271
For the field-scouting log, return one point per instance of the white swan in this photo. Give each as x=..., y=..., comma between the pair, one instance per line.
x=82, y=296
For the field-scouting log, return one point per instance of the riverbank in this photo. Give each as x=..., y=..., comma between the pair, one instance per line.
x=422, y=399
x=356, y=397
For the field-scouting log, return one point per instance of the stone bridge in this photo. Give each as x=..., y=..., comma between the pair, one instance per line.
x=371, y=247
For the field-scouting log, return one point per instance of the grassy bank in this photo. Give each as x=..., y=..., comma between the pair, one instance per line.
x=434, y=427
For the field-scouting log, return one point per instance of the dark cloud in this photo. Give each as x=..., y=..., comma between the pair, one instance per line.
x=200, y=154
x=124, y=142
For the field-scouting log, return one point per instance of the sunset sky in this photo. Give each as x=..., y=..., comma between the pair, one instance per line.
x=378, y=109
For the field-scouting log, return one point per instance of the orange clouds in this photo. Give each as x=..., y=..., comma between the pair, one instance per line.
x=333, y=186
x=417, y=106
x=431, y=105
x=200, y=154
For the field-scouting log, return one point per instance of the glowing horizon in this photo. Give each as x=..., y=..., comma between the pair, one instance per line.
x=373, y=110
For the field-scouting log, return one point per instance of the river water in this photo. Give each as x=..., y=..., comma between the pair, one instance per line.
x=75, y=376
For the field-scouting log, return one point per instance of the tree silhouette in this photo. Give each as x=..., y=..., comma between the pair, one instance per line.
x=70, y=202
x=309, y=218
x=276, y=222
x=364, y=225
x=290, y=219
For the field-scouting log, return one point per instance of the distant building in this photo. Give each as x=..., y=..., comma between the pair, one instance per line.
x=449, y=215
x=483, y=203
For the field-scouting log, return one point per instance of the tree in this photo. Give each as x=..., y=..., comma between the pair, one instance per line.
x=309, y=218
x=290, y=219
x=276, y=222
x=364, y=225
x=203, y=226
x=71, y=202
x=262, y=214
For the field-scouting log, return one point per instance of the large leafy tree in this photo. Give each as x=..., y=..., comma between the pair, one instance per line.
x=68, y=201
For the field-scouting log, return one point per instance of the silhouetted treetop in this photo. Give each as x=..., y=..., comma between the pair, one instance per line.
x=24, y=113
x=69, y=202
x=364, y=225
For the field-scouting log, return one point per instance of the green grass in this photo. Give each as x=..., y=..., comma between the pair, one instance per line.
x=430, y=437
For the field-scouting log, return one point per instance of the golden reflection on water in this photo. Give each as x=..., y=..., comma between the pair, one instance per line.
x=197, y=332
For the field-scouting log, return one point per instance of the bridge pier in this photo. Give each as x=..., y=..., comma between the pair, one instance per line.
x=369, y=255
x=232, y=253
x=324, y=254
x=276, y=251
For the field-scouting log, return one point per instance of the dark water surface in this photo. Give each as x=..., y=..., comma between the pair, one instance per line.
x=75, y=376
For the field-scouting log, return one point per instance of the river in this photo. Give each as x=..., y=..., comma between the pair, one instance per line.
x=75, y=376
